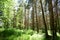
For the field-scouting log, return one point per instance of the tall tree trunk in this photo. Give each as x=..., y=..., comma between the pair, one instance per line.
x=56, y=17
x=27, y=14
x=25, y=19
x=56, y=14
x=36, y=16
x=28, y=19
x=46, y=32
x=32, y=16
x=51, y=19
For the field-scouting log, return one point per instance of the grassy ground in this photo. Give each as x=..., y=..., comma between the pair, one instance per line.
x=16, y=34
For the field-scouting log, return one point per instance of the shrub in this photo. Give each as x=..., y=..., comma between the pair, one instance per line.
x=25, y=37
x=29, y=32
x=10, y=31
x=7, y=32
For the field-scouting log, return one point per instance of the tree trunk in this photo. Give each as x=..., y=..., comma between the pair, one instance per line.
x=36, y=16
x=32, y=16
x=25, y=20
x=46, y=32
x=51, y=19
x=56, y=17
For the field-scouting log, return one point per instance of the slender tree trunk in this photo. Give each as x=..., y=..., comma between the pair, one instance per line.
x=56, y=17
x=28, y=18
x=46, y=32
x=36, y=16
x=51, y=19
x=32, y=15
x=25, y=19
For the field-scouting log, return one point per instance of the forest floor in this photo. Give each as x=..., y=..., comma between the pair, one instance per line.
x=17, y=34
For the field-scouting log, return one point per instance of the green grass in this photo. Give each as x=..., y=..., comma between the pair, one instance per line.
x=17, y=34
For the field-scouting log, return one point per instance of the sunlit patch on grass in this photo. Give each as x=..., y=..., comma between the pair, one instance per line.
x=58, y=34
x=49, y=33
x=37, y=37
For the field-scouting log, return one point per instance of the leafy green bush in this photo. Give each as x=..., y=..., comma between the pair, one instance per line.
x=7, y=32
x=17, y=34
x=25, y=37
x=10, y=31
x=29, y=32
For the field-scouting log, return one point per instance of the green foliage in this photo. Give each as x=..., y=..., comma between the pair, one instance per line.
x=13, y=34
x=14, y=31
x=30, y=32
x=19, y=17
x=17, y=34
x=6, y=33
x=6, y=6
x=25, y=37
x=37, y=37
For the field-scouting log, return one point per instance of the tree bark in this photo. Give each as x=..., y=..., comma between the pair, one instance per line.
x=36, y=16
x=46, y=32
x=51, y=19
x=56, y=18
x=32, y=16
